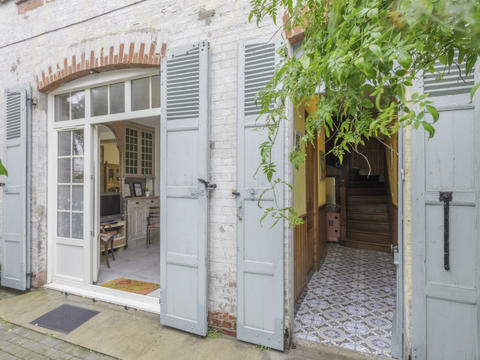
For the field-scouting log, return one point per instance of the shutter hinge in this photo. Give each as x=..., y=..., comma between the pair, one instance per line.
x=31, y=274
x=402, y=174
x=32, y=101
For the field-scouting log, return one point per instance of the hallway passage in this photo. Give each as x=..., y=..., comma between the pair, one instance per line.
x=350, y=302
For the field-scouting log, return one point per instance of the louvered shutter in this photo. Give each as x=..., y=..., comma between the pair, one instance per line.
x=16, y=199
x=260, y=246
x=183, y=197
x=452, y=82
x=445, y=299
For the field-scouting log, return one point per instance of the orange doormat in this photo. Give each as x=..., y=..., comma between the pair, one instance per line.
x=135, y=286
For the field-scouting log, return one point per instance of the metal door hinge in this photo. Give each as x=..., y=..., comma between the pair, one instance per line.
x=31, y=274
x=208, y=184
x=402, y=174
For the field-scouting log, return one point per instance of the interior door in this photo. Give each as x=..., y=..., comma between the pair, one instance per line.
x=16, y=190
x=184, y=154
x=69, y=186
x=445, y=218
x=259, y=245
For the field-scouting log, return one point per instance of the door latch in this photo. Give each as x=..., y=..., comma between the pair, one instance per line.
x=208, y=185
x=446, y=197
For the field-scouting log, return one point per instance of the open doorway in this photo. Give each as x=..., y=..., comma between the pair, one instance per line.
x=345, y=277
x=128, y=247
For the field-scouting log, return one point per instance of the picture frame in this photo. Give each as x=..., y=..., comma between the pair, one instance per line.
x=127, y=191
x=138, y=189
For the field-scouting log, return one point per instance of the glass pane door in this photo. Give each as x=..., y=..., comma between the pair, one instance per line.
x=70, y=184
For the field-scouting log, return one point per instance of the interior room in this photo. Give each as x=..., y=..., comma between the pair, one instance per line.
x=129, y=240
x=345, y=277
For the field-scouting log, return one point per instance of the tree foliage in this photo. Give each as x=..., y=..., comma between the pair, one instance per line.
x=362, y=56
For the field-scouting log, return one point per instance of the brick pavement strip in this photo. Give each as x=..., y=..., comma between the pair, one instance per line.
x=17, y=342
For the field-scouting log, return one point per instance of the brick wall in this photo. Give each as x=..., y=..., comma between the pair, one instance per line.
x=47, y=35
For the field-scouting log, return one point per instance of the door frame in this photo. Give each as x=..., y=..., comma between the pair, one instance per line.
x=84, y=286
x=399, y=317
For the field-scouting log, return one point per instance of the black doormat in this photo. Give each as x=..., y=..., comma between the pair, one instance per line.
x=64, y=318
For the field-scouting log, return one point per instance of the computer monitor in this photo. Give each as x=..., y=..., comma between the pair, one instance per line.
x=110, y=206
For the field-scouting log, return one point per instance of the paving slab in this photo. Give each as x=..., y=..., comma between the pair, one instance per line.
x=133, y=334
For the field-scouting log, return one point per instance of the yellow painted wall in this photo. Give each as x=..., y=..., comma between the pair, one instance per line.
x=391, y=154
x=299, y=196
x=111, y=154
x=311, y=106
x=322, y=184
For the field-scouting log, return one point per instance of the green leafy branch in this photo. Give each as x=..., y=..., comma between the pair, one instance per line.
x=3, y=170
x=359, y=59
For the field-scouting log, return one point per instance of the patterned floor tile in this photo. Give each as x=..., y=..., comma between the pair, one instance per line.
x=350, y=301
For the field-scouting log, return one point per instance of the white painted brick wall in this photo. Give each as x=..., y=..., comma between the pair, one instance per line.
x=177, y=24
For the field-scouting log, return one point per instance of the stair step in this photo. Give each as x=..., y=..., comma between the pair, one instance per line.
x=369, y=226
x=367, y=199
x=367, y=191
x=368, y=208
x=377, y=238
x=363, y=216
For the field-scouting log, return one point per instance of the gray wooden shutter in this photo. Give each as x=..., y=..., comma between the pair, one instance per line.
x=16, y=199
x=260, y=246
x=445, y=302
x=183, y=197
x=453, y=82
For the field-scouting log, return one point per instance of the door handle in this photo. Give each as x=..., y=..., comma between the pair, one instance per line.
x=208, y=185
x=446, y=197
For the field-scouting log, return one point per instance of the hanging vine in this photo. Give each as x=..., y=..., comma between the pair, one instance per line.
x=359, y=57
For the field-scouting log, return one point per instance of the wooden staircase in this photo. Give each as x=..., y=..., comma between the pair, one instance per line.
x=368, y=220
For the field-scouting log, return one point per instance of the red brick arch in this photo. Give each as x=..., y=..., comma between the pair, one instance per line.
x=82, y=62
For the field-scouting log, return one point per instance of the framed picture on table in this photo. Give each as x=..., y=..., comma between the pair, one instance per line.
x=137, y=189
x=127, y=192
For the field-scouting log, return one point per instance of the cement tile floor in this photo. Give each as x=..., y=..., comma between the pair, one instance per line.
x=350, y=302
x=136, y=263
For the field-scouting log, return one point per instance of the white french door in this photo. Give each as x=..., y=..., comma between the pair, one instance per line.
x=70, y=186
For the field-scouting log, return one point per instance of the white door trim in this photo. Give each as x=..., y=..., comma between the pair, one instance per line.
x=112, y=296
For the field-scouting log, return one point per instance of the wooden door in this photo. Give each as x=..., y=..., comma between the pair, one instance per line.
x=311, y=189
x=15, y=201
x=260, y=262
x=445, y=220
x=184, y=188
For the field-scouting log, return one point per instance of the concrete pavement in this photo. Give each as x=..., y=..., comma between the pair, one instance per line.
x=133, y=334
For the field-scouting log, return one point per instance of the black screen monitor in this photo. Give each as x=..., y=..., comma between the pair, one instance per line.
x=110, y=205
